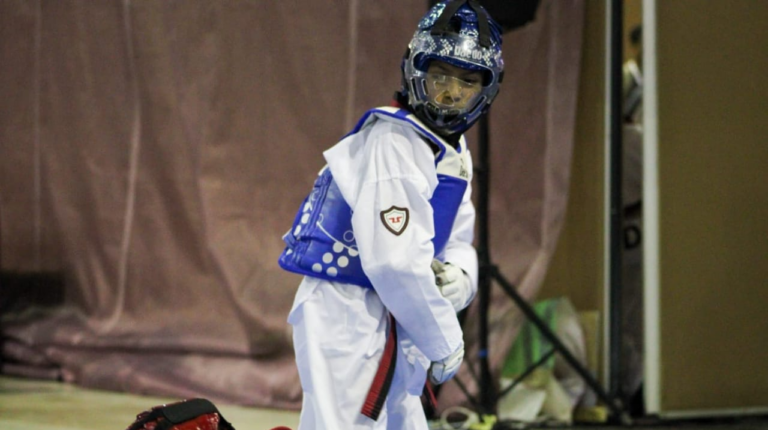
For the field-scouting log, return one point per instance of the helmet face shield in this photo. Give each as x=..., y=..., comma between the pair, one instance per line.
x=450, y=92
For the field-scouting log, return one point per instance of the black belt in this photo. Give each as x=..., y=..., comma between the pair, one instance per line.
x=377, y=394
x=382, y=382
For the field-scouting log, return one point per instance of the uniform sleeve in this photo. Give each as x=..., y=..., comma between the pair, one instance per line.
x=390, y=174
x=459, y=249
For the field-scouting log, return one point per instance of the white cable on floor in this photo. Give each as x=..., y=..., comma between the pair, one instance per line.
x=470, y=418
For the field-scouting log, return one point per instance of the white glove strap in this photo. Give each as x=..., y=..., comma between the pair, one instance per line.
x=445, y=369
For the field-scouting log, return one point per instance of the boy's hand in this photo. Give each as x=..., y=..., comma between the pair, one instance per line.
x=445, y=369
x=454, y=284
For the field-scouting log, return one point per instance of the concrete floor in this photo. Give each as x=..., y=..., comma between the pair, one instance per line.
x=36, y=405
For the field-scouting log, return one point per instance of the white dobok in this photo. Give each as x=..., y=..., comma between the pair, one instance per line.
x=340, y=329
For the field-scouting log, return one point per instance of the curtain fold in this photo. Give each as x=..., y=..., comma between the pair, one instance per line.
x=172, y=143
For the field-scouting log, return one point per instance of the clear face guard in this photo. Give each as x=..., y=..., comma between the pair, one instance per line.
x=449, y=92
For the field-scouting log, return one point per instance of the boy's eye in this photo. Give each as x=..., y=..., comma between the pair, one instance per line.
x=468, y=82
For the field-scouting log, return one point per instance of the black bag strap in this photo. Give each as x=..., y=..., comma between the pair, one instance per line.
x=187, y=410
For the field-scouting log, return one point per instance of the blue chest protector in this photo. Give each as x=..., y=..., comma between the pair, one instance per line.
x=321, y=242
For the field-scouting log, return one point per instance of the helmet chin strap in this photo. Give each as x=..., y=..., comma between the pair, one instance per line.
x=429, y=114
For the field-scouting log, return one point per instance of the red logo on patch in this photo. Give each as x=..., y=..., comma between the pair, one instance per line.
x=395, y=219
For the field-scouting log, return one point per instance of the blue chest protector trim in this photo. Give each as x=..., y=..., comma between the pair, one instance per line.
x=321, y=242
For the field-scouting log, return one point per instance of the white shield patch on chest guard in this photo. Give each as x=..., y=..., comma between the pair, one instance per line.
x=395, y=219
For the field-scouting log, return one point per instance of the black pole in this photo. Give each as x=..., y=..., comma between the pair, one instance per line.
x=482, y=175
x=488, y=272
x=616, y=204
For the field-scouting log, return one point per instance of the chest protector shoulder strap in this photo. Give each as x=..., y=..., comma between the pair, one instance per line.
x=321, y=242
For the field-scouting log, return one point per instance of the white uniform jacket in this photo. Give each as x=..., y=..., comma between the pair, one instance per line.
x=386, y=164
x=389, y=164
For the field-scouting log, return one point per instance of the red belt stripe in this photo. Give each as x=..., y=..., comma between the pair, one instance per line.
x=429, y=395
x=377, y=394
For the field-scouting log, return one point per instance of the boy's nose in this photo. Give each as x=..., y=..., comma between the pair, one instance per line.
x=448, y=97
x=454, y=87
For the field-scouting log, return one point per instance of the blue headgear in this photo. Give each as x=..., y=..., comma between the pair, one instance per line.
x=463, y=34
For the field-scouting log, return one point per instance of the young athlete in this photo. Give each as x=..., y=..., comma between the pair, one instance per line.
x=384, y=238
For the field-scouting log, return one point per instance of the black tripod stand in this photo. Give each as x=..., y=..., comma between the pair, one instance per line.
x=489, y=272
x=512, y=15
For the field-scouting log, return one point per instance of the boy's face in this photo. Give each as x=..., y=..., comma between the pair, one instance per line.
x=451, y=87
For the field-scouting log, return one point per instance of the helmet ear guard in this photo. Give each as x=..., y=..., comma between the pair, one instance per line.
x=462, y=34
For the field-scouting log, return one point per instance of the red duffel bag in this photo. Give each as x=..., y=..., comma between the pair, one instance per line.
x=192, y=414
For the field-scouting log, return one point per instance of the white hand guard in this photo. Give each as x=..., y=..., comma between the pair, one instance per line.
x=454, y=284
x=445, y=369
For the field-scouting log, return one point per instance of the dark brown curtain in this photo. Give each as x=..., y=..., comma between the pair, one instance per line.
x=154, y=152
